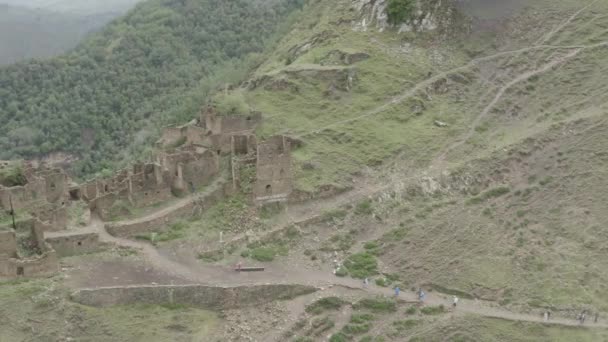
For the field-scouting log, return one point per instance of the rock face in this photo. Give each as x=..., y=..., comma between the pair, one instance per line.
x=429, y=15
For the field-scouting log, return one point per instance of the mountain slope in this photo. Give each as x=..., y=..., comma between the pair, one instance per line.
x=480, y=146
x=151, y=67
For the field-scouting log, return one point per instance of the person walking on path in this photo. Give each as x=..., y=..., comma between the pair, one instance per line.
x=421, y=296
x=397, y=290
x=596, y=317
x=582, y=316
x=546, y=316
x=365, y=282
x=454, y=302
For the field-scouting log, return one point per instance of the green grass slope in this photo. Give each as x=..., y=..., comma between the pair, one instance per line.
x=38, y=310
x=489, y=137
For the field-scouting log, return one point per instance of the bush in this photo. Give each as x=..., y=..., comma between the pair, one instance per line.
x=338, y=337
x=361, y=318
x=364, y=207
x=492, y=193
x=377, y=305
x=356, y=329
x=264, y=254
x=325, y=304
x=361, y=265
x=341, y=272
x=433, y=310
x=381, y=282
x=405, y=325
x=12, y=175
x=232, y=104
x=411, y=310
x=399, y=11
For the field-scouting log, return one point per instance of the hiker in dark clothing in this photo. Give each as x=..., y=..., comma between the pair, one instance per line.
x=583, y=316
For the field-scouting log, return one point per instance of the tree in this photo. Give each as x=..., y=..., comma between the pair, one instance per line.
x=399, y=11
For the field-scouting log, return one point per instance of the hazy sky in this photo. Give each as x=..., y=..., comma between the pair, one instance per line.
x=76, y=6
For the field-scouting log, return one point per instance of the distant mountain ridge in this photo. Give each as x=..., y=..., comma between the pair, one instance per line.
x=45, y=28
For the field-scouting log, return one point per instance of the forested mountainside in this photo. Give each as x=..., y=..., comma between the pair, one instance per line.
x=154, y=66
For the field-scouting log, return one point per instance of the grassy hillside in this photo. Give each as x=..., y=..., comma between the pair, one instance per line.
x=38, y=310
x=154, y=66
x=488, y=139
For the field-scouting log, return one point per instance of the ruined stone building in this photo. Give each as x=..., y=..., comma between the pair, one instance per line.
x=274, y=176
x=42, y=198
x=173, y=173
x=188, y=161
x=211, y=130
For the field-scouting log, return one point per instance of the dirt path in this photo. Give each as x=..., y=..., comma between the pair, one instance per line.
x=324, y=280
x=220, y=181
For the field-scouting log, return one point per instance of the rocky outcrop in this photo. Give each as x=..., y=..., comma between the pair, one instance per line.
x=429, y=15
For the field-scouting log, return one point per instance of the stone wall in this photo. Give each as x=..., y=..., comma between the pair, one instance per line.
x=162, y=220
x=74, y=244
x=44, y=265
x=8, y=243
x=199, y=296
x=274, y=177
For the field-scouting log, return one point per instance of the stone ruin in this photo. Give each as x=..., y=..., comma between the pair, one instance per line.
x=43, y=197
x=190, y=159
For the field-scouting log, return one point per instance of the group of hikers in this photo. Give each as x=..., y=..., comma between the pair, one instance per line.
x=421, y=294
x=581, y=317
x=546, y=315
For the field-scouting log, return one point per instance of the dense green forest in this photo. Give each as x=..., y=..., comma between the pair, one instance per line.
x=106, y=100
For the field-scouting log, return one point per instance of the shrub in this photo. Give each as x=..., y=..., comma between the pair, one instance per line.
x=399, y=11
x=338, y=337
x=361, y=318
x=341, y=272
x=356, y=329
x=361, y=265
x=381, y=282
x=12, y=175
x=364, y=207
x=405, y=325
x=325, y=304
x=321, y=325
x=372, y=247
x=232, y=104
x=263, y=254
x=411, y=310
x=377, y=304
x=433, y=310
x=492, y=193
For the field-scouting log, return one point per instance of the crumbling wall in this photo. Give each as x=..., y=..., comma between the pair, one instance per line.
x=74, y=244
x=8, y=243
x=44, y=265
x=54, y=215
x=274, y=180
x=56, y=186
x=199, y=296
x=161, y=221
